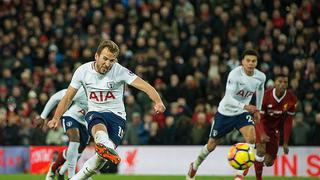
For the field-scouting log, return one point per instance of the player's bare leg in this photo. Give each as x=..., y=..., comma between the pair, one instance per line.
x=249, y=134
x=205, y=151
x=104, y=150
x=258, y=164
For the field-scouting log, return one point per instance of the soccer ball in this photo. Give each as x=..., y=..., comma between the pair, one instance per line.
x=241, y=156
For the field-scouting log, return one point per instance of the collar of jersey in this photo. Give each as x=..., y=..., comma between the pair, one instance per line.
x=275, y=96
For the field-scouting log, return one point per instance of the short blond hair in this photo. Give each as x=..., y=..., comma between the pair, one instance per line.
x=112, y=47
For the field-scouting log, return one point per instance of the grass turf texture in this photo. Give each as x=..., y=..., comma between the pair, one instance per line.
x=121, y=177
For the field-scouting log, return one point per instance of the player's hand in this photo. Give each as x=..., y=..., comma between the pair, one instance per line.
x=256, y=117
x=39, y=122
x=159, y=107
x=250, y=108
x=285, y=149
x=265, y=138
x=53, y=123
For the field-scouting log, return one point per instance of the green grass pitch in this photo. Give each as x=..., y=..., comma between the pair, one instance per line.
x=135, y=177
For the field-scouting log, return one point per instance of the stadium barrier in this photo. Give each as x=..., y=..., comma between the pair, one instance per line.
x=162, y=160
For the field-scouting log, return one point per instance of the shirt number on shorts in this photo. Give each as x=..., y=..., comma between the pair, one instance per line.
x=120, y=132
x=249, y=118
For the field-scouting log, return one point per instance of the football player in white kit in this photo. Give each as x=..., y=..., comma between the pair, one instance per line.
x=104, y=81
x=75, y=126
x=234, y=111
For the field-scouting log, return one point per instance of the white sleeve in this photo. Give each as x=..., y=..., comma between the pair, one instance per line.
x=260, y=93
x=53, y=101
x=231, y=90
x=77, y=77
x=126, y=75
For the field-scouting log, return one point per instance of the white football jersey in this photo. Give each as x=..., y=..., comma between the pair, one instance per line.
x=239, y=90
x=104, y=91
x=77, y=109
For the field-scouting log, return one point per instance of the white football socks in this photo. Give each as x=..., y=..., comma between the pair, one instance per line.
x=202, y=156
x=239, y=172
x=259, y=158
x=64, y=167
x=103, y=138
x=251, y=145
x=72, y=156
x=90, y=167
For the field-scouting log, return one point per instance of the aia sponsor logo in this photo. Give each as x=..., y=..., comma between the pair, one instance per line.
x=101, y=96
x=244, y=93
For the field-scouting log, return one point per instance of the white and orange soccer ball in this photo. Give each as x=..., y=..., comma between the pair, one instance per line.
x=241, y=156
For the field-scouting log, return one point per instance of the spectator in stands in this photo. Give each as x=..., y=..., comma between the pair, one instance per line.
x=135, y=133
x=131, y=107
x=300, y=130
x=56, y=137
x=10, y=132
x=168, y=133
x=315, y=140
x=309, y=114
x=3, y=119
x=200, y=129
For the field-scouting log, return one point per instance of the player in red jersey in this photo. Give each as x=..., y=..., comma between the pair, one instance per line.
x=278, y=108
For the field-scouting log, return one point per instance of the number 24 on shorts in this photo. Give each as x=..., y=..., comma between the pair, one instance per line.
x=249, y=118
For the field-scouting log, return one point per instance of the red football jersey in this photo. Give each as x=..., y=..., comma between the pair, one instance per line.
x=276, y=110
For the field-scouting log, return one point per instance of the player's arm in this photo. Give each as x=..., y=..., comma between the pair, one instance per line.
x=260, y=132
x=259, y=100
x=52, y=102
x=151, y=92
x=286, y=133
x=259, y=126
x=66, y=101
x=287, y=127
x=259, y=95
x=62, y=107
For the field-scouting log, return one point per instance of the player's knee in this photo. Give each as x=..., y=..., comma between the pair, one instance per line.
x=268, y=162
x=73, y=135
x=261, y=151
x=251, y=140
x=74, y=138
x=211, y=145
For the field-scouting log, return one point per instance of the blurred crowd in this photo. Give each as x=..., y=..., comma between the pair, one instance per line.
x=184, y=48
